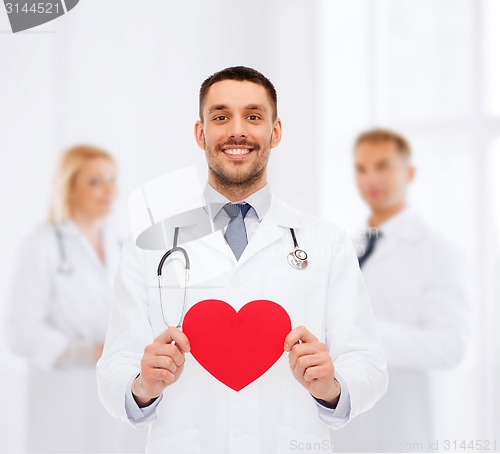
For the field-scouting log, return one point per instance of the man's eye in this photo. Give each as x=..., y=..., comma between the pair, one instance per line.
x=253, y=117
x=220, y=118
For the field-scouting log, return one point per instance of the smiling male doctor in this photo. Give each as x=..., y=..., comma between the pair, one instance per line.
x=333, y=367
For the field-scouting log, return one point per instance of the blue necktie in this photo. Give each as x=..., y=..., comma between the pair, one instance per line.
x=370, y=247
x=236, y=233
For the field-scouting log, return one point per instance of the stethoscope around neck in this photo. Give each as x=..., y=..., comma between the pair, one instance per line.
x=297, y=259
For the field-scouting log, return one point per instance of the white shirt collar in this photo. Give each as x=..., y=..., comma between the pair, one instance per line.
x=406, y=224
x=260, y=200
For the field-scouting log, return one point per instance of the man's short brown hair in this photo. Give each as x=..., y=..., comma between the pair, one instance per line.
x=385, y=135
x=240, y=73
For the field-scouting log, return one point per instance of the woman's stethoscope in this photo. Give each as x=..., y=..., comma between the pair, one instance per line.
x=64, y=266
x=297, y=259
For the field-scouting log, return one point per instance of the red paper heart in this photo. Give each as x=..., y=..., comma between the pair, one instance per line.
x=236, y=347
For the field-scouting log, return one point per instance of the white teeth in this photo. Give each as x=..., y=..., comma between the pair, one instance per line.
x=237, y=151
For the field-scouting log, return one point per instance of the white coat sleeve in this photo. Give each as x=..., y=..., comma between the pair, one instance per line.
x=439, y=339
x=139, y=416
x=339, y=414
x=351, y=335
x=27, y=327
x=129, y=332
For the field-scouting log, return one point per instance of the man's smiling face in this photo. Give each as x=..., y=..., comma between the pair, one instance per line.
x=237, y=132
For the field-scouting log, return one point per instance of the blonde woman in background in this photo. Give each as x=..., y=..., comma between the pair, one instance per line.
x=59, y=307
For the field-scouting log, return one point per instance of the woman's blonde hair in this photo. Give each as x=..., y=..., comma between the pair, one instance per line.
x=70, y=164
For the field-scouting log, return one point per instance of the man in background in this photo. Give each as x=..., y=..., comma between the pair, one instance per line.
x=416, y=283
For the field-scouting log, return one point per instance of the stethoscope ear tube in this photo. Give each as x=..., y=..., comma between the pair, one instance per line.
x=168, y=254
x=175, y=248
x=187, y=267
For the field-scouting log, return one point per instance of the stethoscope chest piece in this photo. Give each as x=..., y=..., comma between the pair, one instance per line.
x=297, y=258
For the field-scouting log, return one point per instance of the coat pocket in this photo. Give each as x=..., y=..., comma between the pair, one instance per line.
x=187, y=442
x=293, y=441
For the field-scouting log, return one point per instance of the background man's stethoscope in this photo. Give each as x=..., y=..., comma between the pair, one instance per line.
x=297, y=259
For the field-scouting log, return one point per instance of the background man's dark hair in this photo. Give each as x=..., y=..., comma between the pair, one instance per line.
x=241, y=73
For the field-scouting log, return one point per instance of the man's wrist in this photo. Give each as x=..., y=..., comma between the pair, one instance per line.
x=138, y=394
x=331, y=403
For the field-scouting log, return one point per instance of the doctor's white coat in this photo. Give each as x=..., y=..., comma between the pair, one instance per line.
x=274, y=414
x=51, y=315
x=418, y=287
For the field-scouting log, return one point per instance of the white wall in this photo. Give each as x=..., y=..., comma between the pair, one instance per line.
x=125, y=75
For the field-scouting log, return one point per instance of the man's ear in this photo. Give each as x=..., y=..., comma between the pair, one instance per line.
x=411, y=173
x=276, y=134
x=198, y=134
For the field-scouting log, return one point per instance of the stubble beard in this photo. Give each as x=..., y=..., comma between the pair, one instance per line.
x=239, y=180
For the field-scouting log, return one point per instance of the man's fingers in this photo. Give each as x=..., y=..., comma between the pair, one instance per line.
x=306, y=361
x=173, y=351
x=163, y=375
x=318, y=372
x=174, y=334
x=299, y=333
x=300, y=350
x=309, y=348
x=163, y=362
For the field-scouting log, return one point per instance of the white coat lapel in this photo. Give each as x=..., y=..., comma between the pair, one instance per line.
x=112, y=249
x=216, y=244
x=385, y=247
x=71, y=229
x=405, y=227
x=276, y=223
x=273, y=226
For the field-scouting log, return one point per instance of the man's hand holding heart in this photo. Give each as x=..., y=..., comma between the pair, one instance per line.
x=312, y=366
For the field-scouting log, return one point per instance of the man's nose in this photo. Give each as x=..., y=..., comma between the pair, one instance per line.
x=237, y=128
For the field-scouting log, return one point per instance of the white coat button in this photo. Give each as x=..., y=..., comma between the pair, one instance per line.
x=237, y=433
